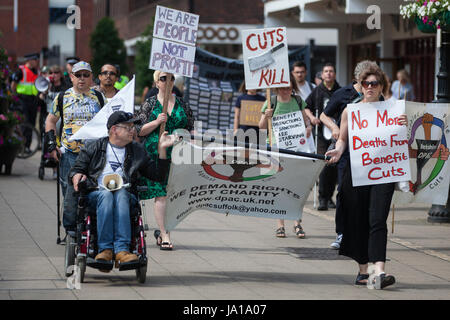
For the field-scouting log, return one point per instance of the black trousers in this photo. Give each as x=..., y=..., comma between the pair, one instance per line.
x=328, y=175
x=365, y=210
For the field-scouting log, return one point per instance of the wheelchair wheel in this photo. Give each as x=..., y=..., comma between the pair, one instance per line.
x=141, y=273
x=81, y=263
x=69, y=259
x=41, y=173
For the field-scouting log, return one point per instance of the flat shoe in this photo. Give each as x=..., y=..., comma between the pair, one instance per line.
x=157, y=235
x=166, y=246
x=383, y=280
x=280, y=232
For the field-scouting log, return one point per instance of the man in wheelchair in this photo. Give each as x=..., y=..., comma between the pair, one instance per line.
x=116, y=155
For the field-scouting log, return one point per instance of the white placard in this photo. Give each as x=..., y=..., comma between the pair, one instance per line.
x=173, y=45
x=265, y=53
x=172, y=57
x=290, y=132
x=176, y=26
x=378, y=144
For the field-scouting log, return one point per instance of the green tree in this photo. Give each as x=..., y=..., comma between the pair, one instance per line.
x=144, y=75
x=107, y=46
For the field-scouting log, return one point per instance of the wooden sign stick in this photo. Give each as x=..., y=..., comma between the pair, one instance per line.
x=393, y=214
x=269, y=121
x=167, y=94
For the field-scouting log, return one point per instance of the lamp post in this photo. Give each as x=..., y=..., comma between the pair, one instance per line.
x=440, y=213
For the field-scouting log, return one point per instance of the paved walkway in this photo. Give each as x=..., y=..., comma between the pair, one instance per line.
x=216, y=256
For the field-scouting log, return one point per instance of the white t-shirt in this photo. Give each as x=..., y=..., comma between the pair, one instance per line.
x=115, y=156
x=304, y=90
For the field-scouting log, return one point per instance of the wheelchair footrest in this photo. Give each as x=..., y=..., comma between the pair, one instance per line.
x=100, y=264
x=129, y=265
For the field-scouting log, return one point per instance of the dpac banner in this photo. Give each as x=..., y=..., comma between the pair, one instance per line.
x=266, y=61
x=96, y=128
x=428, y=138
x=378, y=144
x=233, y=180
x=173, y=45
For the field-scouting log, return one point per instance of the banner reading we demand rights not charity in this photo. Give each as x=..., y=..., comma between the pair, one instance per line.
x=233, y=180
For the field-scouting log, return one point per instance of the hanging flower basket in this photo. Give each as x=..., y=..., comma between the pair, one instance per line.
x=429, y=15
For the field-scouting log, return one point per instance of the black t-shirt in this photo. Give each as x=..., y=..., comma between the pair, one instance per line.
x=154, y=91
x=339, y=100
x=256, y=97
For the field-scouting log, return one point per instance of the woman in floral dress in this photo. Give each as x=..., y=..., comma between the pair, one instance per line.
x=179, y=116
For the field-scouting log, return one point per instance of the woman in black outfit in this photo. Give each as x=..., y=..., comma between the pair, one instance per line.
x=365, y=208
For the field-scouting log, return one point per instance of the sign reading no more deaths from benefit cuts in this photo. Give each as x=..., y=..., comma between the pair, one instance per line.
x=378, y=144
x=174, y=38
x=265, y=53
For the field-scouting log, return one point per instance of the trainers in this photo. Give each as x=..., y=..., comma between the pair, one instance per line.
x=337, y=243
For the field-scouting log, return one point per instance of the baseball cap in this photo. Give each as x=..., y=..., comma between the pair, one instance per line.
x=72, y=60
x=121, y=117
x=82, y=65
x=31, y=56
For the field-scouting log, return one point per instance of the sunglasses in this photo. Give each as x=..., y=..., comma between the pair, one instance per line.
x=108, y=73
x=373, y=84
x=84, y=75
x=131, y=128
x=164, y=78
x=54, y=72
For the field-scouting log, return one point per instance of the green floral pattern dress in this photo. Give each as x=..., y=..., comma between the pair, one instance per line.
x=181, y=118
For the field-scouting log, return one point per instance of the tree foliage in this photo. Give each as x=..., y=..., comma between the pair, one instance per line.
x=144, y=75
x=107, y=46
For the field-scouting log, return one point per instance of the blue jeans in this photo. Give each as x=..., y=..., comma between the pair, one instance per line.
x=113, y=218
x=70, y=200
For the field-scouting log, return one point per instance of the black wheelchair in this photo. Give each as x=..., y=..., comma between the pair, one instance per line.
x=81, y=245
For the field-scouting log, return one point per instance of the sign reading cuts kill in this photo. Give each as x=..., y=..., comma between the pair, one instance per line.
x=173, y=45
x=378, y=144
x=266, y=62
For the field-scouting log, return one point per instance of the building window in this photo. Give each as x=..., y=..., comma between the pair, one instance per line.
x=58, y=15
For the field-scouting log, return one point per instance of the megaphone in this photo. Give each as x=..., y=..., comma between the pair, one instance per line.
x=41, y=84
x=113, y=182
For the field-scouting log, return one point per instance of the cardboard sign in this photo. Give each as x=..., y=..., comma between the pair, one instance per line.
x=290, y=132
x=175, y=26
x=265, y=54
x=173, y=45
x=378, y=144
x=172, y=57
x=250, y=112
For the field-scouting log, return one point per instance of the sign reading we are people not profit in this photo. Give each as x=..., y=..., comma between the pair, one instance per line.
x=174, y=38
x=378, y=144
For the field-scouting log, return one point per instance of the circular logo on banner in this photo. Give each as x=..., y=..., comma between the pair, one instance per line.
x=240, y=169
x=426, y=148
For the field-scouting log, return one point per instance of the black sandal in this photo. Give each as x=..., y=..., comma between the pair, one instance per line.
x=157, y=235
x=299, y=231
x=360, y=279
x=383, y=280
x=281, y=233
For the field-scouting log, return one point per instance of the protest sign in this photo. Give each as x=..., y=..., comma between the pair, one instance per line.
x=173, y=45
x=96, y=128
x=250, y=112
x=290, y=132
x=428, y=136
x=254, y=183
x=265, y=53
x=378, y=144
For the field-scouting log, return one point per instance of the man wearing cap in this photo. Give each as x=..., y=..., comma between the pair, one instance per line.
x=117, y=154
x=23, y=84
x=76, y=106
x=70, y=62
